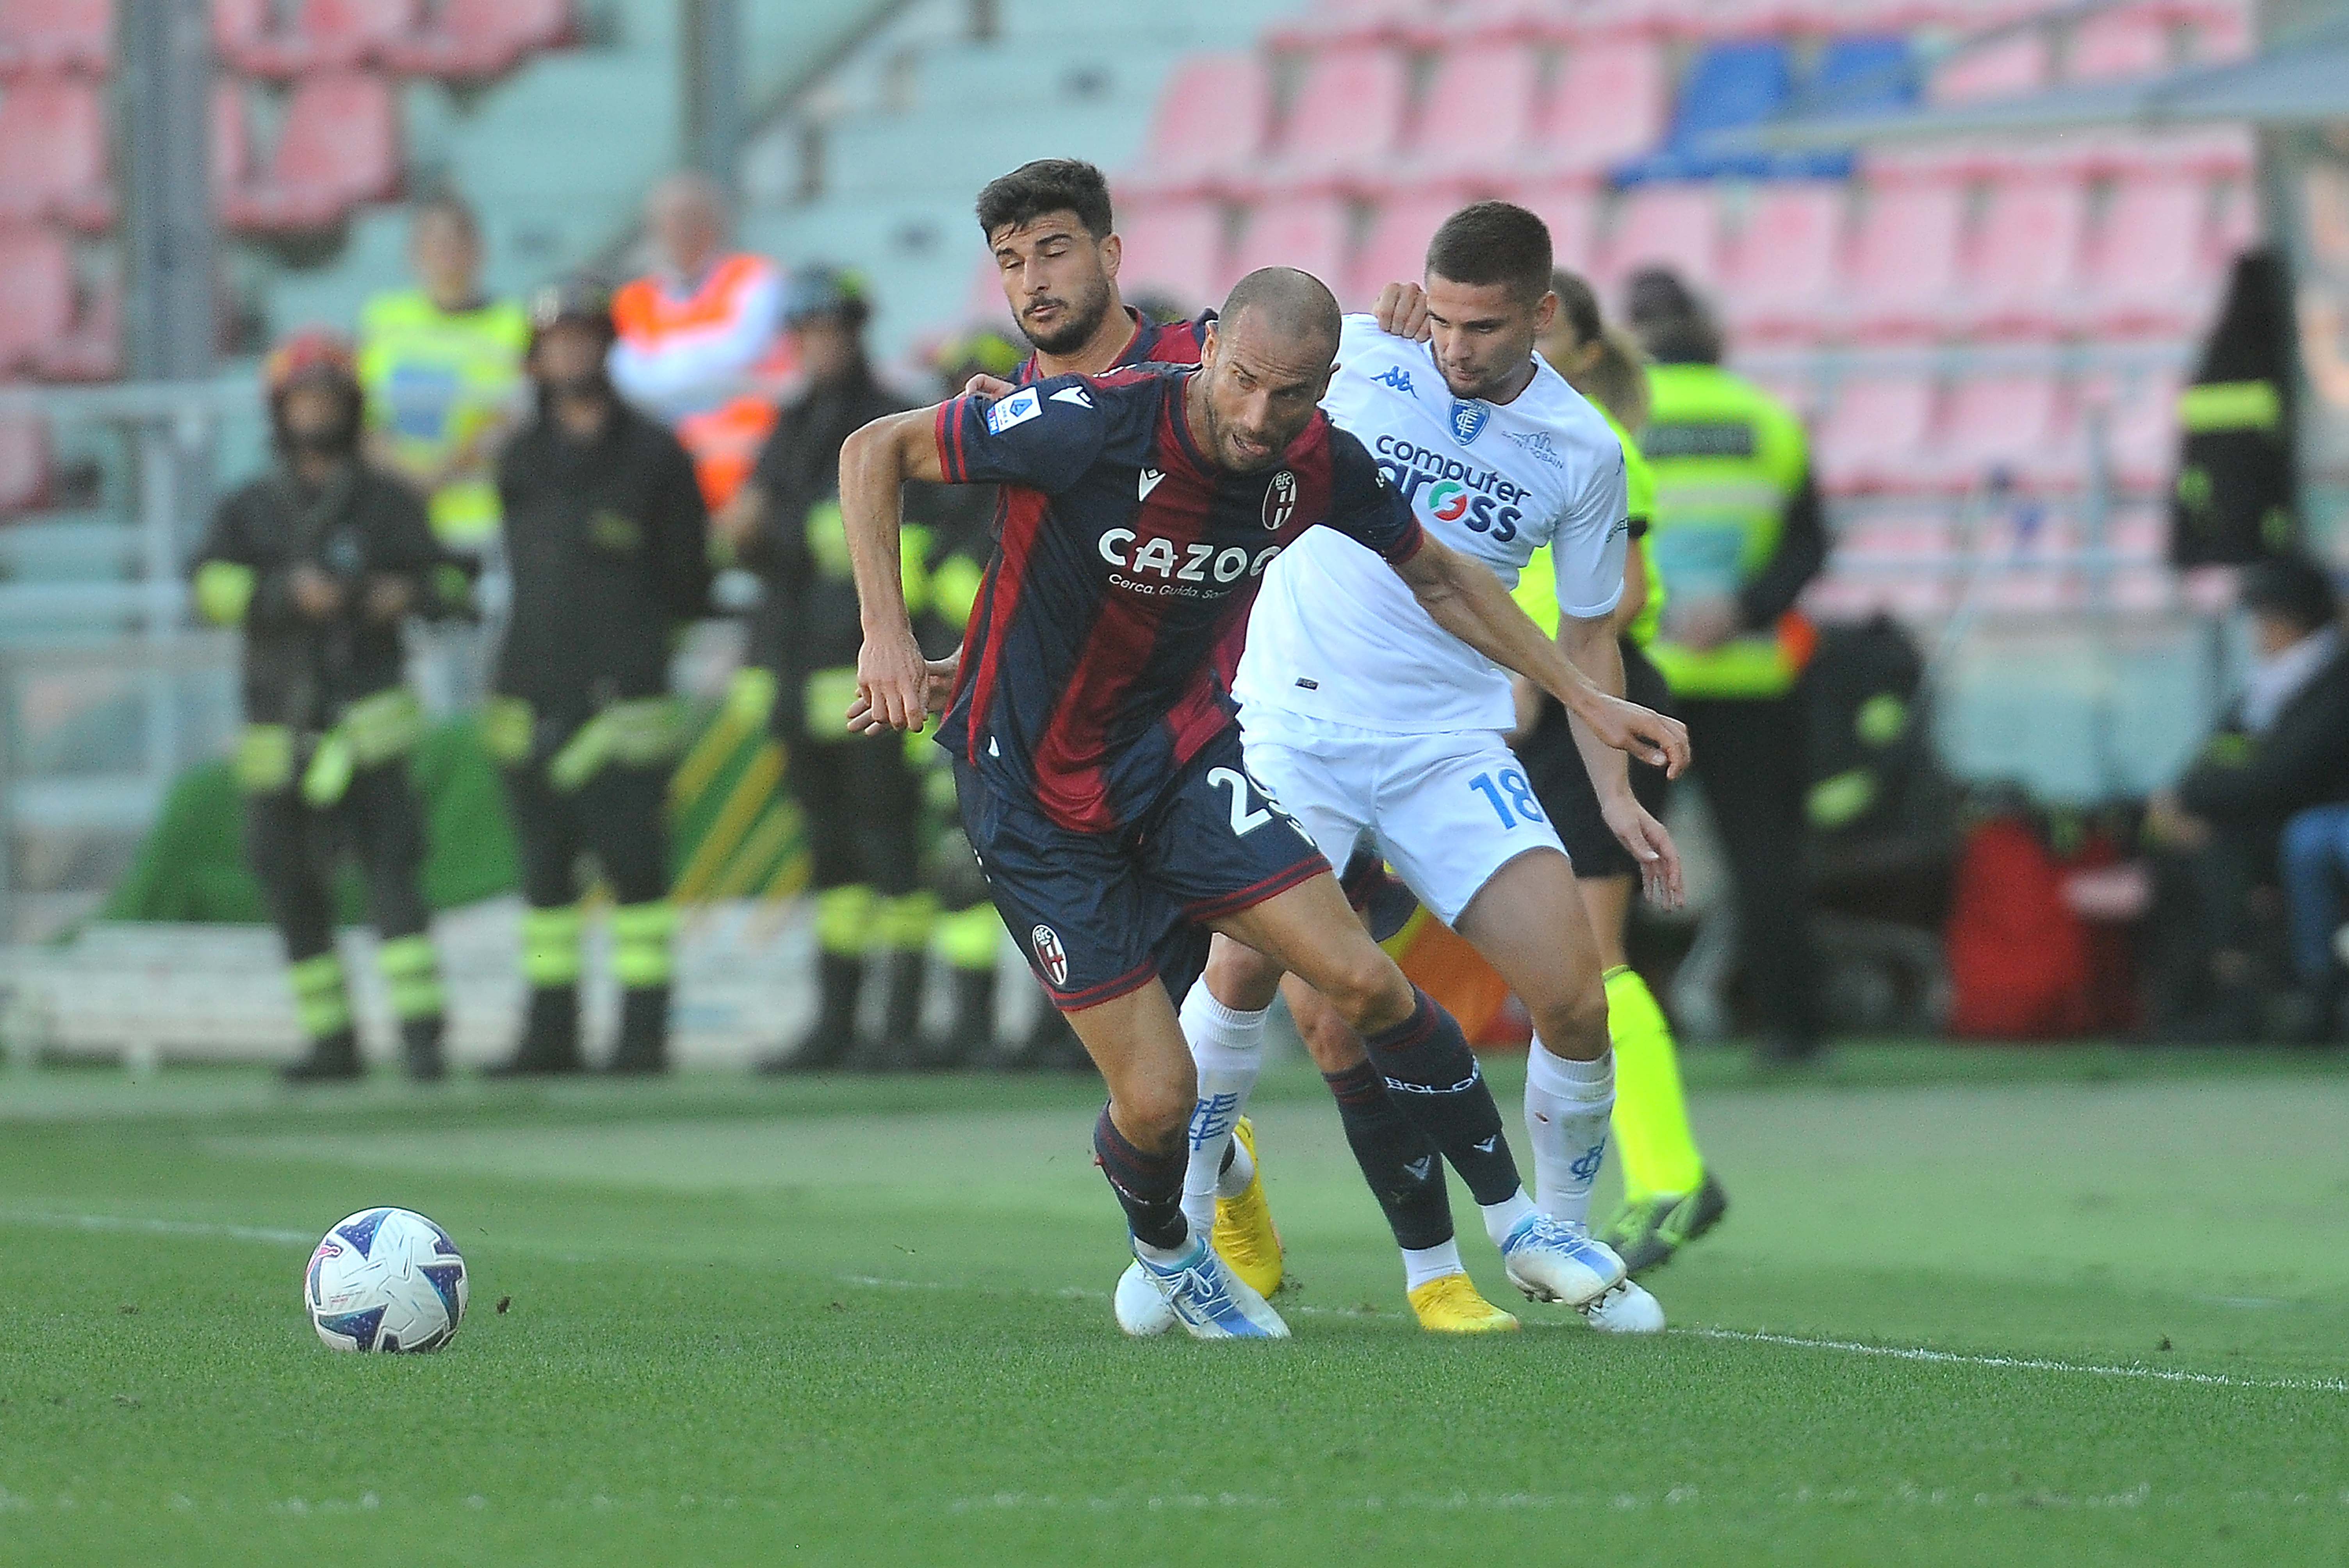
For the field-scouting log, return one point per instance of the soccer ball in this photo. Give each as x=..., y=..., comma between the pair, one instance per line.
x=385, y=1279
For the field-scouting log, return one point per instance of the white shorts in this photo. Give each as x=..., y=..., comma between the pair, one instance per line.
x=1446, y=810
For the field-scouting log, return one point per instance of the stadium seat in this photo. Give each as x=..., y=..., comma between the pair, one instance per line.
x=1395, y=250
x=339, y=146
x=1904, y=262
x=2220, y=32
x=2236, y=227
x=2008, y=67
x=2150, y=270
x=2139, y=534
x=1874, y=439
x=36, y=295
x=1312, y=233
x=1784, y=276
x=232, y=149
x=2017, y=426
x=1729, y=84
x=1347, y=116
x=1173, y=247
x=2126, y=41
x=1476, y=116
x=1899, y=535
x=2023, y=273
x=51, y=37
x=1676, y=226
x=52, y=154
x=1211, y=123
x=2141, y=433
x=24, y=463
x=326, y=35
x=1337, y=22
x=1609, y=102
x=471, y=40
x=1570, y=207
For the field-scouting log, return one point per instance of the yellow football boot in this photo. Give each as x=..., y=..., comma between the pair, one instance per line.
x=1451, y=1305
x=1245, y=1236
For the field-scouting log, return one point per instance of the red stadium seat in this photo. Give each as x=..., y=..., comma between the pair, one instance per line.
x=1212, y=118
x=1173, y=247
x=1785, y=274
x=24, y=463
x=51, y=37
x=2126, y=41
x=52, y=154
x=339, y=146
x=2018, y=426
x=231, y=139
x=2007, y=68
x=2024, y=276
x=1335, y=22
x=1312, y=233
x=1570, y=208
x=327, y=34
x=471, y=40
x=1875, y=438
x=1477, y=114
x=1612, y=99
x=2151, y=271
x=1675, y=225
x=1347, y=117
x=36, y=294
x=1904, y=264
x=2141, y=433
x=2237, y=227
x=1395, y=250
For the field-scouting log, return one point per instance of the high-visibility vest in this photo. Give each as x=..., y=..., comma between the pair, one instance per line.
x=434, y=380
x=724, y=436
x=1536, y=590
x=1728, y=459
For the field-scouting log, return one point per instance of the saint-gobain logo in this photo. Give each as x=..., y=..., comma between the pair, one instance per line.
x=1280, y=500
x=1051, y=953
x=1468, y=420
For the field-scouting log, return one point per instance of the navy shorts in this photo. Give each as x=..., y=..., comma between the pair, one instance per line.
x=1102, y=915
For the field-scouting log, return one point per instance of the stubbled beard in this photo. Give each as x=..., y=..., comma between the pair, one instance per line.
x=1074, y=334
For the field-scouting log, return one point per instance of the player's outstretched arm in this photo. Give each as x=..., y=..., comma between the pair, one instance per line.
x=1465, y=599
x=893, y=680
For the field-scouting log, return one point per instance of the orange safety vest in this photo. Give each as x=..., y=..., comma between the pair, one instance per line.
x=723, y=441
x=644, y=313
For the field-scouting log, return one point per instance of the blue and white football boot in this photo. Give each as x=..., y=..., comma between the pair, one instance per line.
x=1208, y=1299
x=1550, y=1260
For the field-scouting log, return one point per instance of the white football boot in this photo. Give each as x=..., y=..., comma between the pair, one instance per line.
x=1550, y=1260
x=1209, y=1300
x=1626, y=1309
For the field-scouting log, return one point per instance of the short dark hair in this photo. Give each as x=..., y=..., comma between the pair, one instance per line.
x=1045, y=186
x=2291, y=586
x=1577, y=302
x=1493, y=242
x=1292, y=303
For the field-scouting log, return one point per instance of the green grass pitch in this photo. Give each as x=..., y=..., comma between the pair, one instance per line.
x=1968, y=1307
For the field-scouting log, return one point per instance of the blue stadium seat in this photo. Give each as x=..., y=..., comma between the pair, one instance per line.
x=1731, y=85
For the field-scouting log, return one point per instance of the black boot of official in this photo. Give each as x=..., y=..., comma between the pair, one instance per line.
x=643, y=1031
x=550, y=1036
x=840, y=983
x=970, y=1038
x=331, y=1059
x=419, y=1049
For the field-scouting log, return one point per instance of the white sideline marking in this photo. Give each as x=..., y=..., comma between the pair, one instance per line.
x=154, y=1227
x=2025, y=1363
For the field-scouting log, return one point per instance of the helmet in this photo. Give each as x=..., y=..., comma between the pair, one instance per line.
x=820, y=290
x=982, y=349
x=313, y=354
x=583, y=300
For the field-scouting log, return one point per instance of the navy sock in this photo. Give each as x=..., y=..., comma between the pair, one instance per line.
x=1434, y=1077
x=1399, y=1160
x=1148, y=1186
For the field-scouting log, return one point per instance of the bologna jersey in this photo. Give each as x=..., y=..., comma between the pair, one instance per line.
x=1088, y=679
x=1337, y=636
x=1152, y=343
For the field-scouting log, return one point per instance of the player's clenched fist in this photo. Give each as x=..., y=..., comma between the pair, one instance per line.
x=1402, y=311
x=1641, y=732
x=893, y=686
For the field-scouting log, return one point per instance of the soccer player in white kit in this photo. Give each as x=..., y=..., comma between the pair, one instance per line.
x=1375, y=728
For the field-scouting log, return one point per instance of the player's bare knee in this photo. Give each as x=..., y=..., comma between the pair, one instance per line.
x=1153, y=1117
x=1573, y=1026
x=1333, y=1046
x=1367, y=990
x=1240, y=977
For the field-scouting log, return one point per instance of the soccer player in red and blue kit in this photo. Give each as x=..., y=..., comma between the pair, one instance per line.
x=1096, y=757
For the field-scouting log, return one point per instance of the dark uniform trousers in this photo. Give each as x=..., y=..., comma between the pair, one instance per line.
x=1750, y=754
x=292, y=847
x=614, y=816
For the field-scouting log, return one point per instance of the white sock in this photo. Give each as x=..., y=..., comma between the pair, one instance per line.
x=1568, y=1104
x=1503, y=1217
x=1164, y=1257
x=1228, y=1046
x=1430, y=1263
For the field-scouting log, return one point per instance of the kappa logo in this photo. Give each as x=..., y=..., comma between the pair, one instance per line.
x=1016, y=409
x=1468, y=420
x=1280, y=500
x=1076, y=395
x=1150, y=478
x=1397, y=378
x=1051, y=953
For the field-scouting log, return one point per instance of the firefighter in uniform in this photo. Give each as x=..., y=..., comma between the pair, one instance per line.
x=859, y=797
x=606, y=540
x=1738, y=533
x=441, y=366
x=320, y=562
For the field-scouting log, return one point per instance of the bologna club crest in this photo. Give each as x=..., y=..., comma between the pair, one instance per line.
x=1280, y=501
x=1051, y=953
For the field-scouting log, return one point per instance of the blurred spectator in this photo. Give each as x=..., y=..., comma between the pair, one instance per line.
x=441, y=366
x=318, y=562
x=698, y=332
x=1738, y=533
x=2283, y=747
x=859, y=796
x=2315, y=866
x=608, y=543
